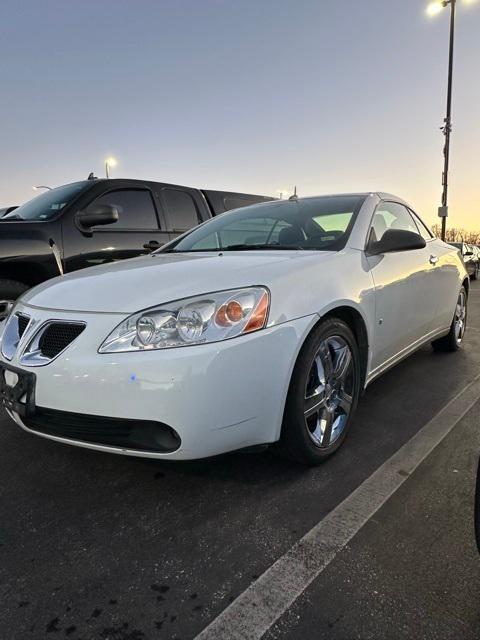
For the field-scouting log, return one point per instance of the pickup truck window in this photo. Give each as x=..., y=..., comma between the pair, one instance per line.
x=135, y=208
x=47, y=205
x=181, y=208
x=236, y=202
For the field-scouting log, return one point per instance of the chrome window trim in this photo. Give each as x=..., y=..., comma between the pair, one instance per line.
x=30, y=355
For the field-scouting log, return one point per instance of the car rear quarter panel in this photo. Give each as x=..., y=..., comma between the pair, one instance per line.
x=452, y=274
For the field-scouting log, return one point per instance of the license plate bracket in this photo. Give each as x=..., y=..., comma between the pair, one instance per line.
x=20, y=397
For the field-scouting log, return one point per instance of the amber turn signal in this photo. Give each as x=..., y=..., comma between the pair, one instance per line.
x=259, y=315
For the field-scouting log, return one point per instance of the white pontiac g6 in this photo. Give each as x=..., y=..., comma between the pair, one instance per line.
x=261, y=326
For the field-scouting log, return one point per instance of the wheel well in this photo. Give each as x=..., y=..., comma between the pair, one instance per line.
x=355, y=322
x=28, y=274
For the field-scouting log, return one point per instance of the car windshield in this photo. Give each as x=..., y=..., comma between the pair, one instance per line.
x=321, y=224
x=47, y=205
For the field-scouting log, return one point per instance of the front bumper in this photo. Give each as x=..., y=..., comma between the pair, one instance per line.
x=217, y=397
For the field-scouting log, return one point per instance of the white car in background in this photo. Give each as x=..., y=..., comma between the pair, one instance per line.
x=260, y=326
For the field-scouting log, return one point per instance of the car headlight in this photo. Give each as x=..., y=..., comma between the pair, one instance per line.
x=198, y=320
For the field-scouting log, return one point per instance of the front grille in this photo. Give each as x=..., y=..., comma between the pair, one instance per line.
x=57, y=336
x=22, y=324
x=139, y=435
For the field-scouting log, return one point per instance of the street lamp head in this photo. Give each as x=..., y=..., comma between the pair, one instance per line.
x=111, y=162
x=435, y=8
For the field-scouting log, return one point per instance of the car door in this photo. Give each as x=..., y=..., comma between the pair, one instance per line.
x=405, y=297
x=140, y=228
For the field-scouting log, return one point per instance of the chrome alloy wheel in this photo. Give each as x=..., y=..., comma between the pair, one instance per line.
x=460, y=316
x=329, y=391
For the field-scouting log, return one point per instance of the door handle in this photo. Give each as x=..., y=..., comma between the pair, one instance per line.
x=152, y=245
x=433, y=259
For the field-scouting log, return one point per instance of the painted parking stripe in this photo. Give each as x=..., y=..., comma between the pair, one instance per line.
x=251, y=615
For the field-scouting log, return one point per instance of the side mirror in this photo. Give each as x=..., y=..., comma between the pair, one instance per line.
x=97, y=214
x=397, y=240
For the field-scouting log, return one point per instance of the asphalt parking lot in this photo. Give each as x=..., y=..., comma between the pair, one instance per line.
x=96, y=546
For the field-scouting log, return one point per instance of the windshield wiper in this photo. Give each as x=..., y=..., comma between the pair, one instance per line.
x=254, y=247
x=235, y=247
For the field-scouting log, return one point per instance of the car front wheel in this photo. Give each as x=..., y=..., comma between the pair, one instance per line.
x=323, y=394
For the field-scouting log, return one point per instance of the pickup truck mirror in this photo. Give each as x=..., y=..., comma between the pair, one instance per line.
x=397, y=240
x=97, y=214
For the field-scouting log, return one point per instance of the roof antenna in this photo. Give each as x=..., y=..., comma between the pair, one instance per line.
x=92, y=176
x=294, y=197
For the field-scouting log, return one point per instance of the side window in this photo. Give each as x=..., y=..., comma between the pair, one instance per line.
x=334, y=222
x=422, y=228
x=181, y=208
x=135, y=209
x=390, y=215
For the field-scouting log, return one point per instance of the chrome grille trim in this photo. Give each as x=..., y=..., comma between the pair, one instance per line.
x=23, y=324
x=13, y=334
x=32, y=355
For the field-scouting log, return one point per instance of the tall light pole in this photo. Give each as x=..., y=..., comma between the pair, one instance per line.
x=433, y=9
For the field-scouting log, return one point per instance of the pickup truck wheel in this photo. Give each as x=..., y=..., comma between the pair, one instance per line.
x=323, y=394
x=10, y=290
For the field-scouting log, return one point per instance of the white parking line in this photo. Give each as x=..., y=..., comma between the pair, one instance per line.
x=251, y=615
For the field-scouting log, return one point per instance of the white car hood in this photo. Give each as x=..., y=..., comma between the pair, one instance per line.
x=132, y=285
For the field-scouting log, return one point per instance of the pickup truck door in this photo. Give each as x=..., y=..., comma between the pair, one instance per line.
x=140, y=229
x=406, y=291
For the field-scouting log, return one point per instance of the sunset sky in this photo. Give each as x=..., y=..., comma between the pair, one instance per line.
x=247, y=95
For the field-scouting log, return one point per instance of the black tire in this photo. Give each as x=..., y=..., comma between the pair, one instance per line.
x=10, y=290
x=474, y=275
x=296, y=441
x=450, y=343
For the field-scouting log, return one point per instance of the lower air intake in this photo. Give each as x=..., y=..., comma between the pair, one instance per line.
x=136, y=435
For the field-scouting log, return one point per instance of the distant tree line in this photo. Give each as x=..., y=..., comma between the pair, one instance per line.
x=457, y=234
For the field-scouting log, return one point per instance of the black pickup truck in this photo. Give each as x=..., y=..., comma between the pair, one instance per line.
x=96, y=221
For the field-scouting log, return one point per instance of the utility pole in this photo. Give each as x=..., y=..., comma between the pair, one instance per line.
x=447, y=128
